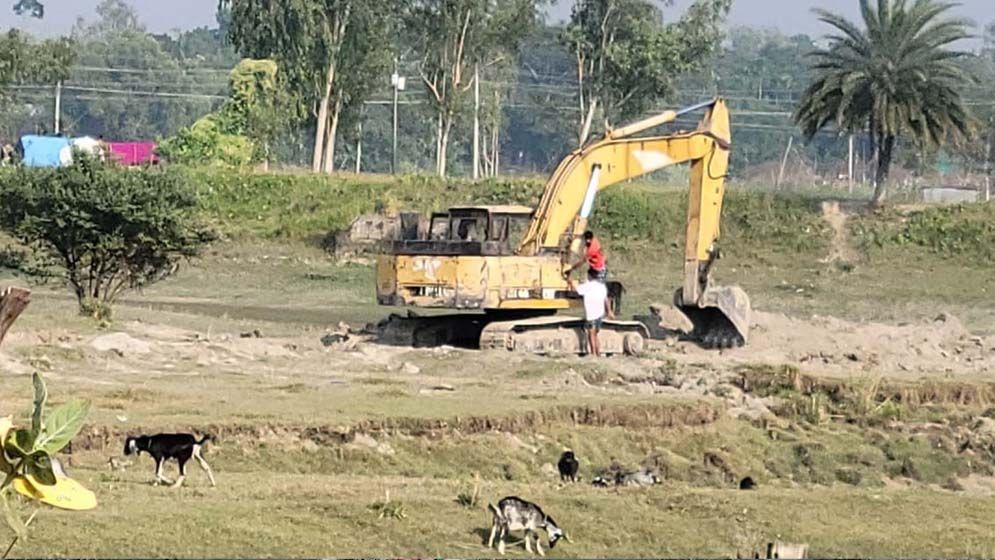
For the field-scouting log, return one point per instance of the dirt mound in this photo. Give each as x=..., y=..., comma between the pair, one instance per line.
x=941, y=345
x=120, y=343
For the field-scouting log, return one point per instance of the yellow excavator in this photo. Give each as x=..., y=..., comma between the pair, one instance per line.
x=508, y=264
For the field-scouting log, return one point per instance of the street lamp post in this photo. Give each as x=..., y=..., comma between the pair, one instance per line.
x=397, y=82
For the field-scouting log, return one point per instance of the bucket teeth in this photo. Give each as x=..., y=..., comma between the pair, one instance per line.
x=721, y=319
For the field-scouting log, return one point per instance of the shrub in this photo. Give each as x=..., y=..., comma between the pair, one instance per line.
x=205, y=142
x=109, y=229
x=959, y=230
x=749, y=220
x=286, y=205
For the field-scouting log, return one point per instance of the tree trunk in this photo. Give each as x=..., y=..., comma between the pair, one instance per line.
x=438, y=146
x=444, y=144
x=496, y=149
x=336, y=111
x=319, y=134
x=885, y=153
x=585, y=130
x=485, y=152
x=12, y=303
x=476, y=122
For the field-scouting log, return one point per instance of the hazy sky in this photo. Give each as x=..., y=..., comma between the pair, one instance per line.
x=792, y=16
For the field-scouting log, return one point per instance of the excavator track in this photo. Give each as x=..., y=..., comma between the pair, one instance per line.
x=562, y=335
x=431, y=330
x=532, y=335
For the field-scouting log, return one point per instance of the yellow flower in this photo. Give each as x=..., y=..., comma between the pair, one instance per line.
x=66, y=493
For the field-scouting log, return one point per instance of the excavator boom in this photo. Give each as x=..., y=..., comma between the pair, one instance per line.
x=720, y=316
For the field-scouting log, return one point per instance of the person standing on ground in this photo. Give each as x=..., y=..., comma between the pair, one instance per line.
x=594, y=256
x=596, y=307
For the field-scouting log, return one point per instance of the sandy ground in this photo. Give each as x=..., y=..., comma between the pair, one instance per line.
x=827, y=345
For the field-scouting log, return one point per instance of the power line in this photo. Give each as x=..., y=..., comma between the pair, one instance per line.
x=132, y=92
x=150, y=70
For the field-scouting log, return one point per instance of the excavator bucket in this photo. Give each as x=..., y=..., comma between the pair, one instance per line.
x=721, y=318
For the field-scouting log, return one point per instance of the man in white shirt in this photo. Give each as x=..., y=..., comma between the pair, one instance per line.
x=596, y=307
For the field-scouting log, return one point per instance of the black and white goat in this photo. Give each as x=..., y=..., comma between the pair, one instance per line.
x=515, y=514
x=163, y=447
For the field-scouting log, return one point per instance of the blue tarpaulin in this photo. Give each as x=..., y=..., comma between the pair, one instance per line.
x=45, y=151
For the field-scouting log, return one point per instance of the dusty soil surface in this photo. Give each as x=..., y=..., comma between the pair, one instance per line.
x=941, y=346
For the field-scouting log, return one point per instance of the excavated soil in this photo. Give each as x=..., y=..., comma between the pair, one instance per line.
x=827, y=345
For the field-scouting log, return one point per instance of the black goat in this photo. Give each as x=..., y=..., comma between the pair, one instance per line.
x=163, y=447
x=568, y=466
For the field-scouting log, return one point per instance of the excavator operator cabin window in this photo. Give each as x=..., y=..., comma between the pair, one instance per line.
x=439, y=230
x=469, y=229
x=499, y=228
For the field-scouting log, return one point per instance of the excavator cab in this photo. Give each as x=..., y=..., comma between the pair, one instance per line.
x=470, y=230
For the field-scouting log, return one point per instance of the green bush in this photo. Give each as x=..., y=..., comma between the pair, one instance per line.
x=306, y=205
x=748, y=219
x=109, y=229
x=960, y=230
x=285, y=205
x=242, y=129
x=787, y=222
x=633, y=215
x=205, y=142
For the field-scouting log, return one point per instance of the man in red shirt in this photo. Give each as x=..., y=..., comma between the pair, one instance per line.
x=595, y=258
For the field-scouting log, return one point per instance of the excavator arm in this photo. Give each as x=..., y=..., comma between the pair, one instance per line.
x=720, y=315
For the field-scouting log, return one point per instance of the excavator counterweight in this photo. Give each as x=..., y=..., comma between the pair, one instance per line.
x=509, y=264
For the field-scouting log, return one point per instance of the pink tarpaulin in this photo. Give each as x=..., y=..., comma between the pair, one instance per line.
x=133, y=153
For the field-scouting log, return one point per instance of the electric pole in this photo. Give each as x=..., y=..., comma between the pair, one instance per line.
x=398, y=82
x=58, y=107
x=359, y=143
x=988, y=160
x=850, y=168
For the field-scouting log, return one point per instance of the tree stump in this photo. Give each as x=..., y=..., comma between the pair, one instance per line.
x=12, y=303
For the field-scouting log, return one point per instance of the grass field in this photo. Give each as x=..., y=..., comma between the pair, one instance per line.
x=311, y=440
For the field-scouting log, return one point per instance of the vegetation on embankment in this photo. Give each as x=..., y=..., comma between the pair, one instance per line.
x=301, y=206
x=966, y=230
x=305, y=206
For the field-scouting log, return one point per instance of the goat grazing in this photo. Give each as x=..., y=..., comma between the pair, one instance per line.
x=163, y=447
x=568, y=466
x=515, y=514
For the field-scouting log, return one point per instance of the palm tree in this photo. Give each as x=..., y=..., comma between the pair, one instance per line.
x=896, y=76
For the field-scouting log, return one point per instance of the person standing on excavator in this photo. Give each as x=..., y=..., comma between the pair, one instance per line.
x=597, y=268
x=596, y=308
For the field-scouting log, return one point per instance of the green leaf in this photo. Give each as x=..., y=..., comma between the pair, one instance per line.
x=20, y=443
x=62, y=425
x=13, y=520
x=39, y=465
x=41, y=395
